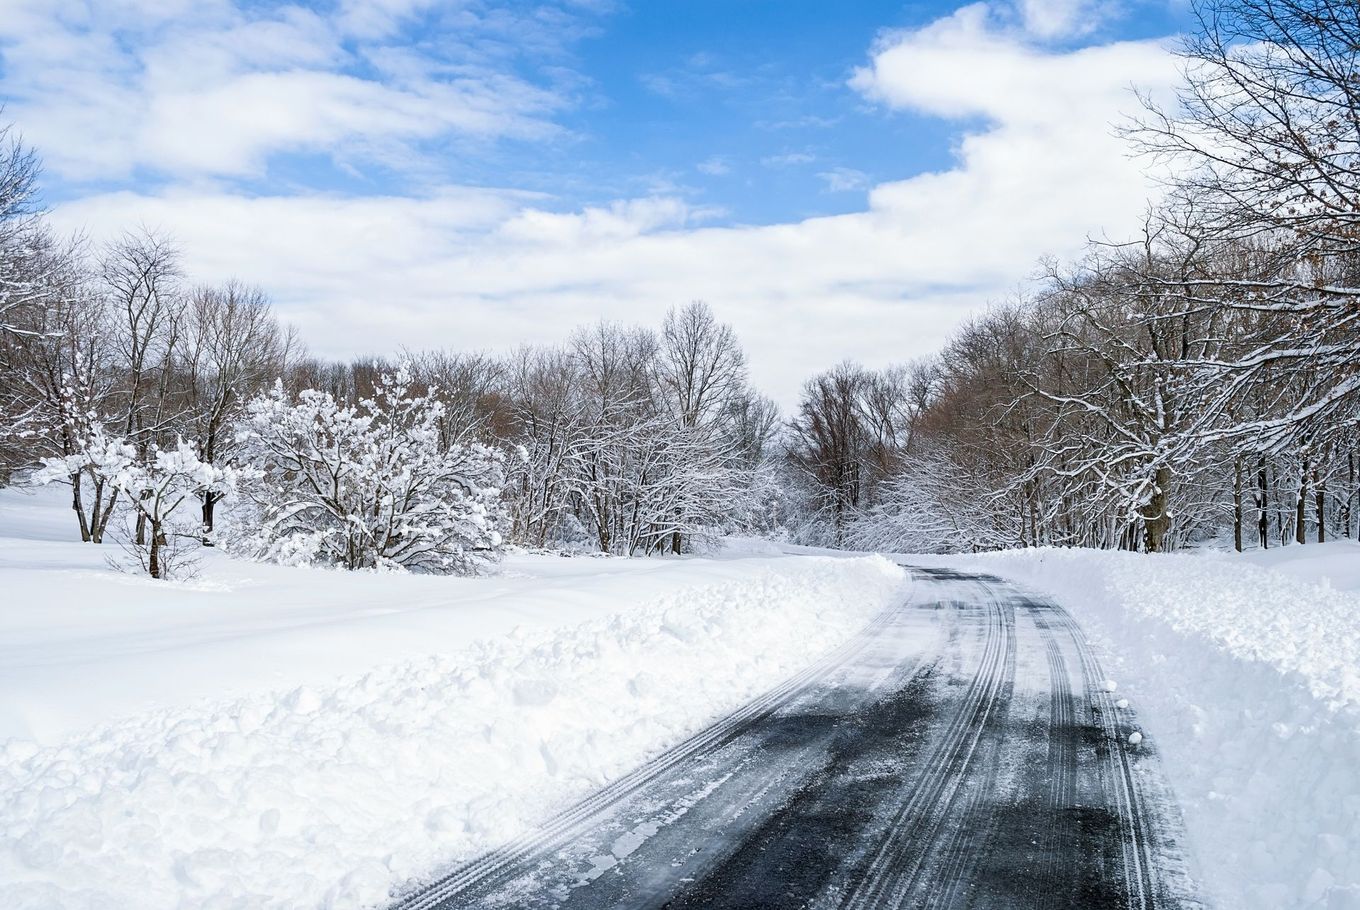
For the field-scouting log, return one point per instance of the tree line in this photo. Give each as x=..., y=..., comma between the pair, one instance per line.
x=156, y=401
x=1199, y=382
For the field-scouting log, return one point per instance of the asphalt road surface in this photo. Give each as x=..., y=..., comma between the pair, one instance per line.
x=960, y=752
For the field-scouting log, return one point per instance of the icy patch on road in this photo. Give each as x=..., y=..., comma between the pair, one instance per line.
x=1245, y=671
x=331, y=795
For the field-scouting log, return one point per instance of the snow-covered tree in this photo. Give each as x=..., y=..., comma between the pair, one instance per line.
x=932, y=506
x=699, y=376
x=1266, y=139
x=95, y=460
x=158, y=486
x=367, y=485
x=154, y=487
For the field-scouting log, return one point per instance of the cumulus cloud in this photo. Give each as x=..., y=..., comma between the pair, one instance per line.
x=966, y=65
x=489, y=269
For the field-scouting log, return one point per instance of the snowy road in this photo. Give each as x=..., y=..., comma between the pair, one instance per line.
x=961, y=752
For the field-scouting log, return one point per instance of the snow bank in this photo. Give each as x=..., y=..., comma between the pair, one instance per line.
x=82, y=645
x=328, y=794
x=1246, y=670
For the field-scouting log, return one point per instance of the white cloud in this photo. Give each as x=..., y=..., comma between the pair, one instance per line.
x=478, y=269
x=788, y=159
x=844, y=179
x=214, y=89
x=714, y=166
x=1064, y=18
x=694, y=78
x=964, y=66
x=377, y=18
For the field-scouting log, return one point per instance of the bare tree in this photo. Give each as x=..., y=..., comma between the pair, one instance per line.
x=701, y=367
x=544, y=427
x=700, y=374
x=141, y=277
x=230, y=347
x=20, y=231
x=1268, y=142
x=470, y=385
x=829, y=441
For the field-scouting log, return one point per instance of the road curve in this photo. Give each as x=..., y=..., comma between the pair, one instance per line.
x=961, y=751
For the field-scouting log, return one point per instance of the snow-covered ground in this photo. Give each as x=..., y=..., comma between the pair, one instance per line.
x=280, y=737
x=1246, y=670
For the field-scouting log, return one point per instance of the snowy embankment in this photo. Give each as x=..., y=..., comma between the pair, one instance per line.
x=1246, y=669
x=273, y=737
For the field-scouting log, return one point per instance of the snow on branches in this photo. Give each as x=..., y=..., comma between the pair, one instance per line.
x=368, y=485
x=155, y=486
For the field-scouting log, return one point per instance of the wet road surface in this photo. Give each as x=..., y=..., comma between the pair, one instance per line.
x=959, y=752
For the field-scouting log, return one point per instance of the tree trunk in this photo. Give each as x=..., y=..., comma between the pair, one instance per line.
x=102, y=521
x=1320, y=506
x=98, y=514
x=1351, y=493
x=1300, y=516
x=1262, y=516
x=79, y=508
x=153, y=562
x=1237, y=505
x=675, y=543
x=1032, y=497
x=1155, y=520
x=209, y=504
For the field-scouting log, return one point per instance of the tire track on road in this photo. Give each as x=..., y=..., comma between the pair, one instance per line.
x=896, y=866
x=1059, y=842
x=1140, y=892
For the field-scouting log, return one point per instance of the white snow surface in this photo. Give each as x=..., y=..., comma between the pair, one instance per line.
x=294, y=738
x=1245, y=672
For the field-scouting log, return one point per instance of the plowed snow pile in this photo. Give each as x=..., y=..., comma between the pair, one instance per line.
x=331, y=793
x=1247, y=671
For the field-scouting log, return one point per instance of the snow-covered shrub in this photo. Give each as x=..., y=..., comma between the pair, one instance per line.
x=159, y=486
x=155, y=487
x=367, y=485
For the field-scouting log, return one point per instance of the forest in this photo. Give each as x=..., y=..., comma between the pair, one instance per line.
x=1197, y=383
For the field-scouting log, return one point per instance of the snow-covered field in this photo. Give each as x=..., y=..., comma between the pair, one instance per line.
x=1246, y=670
x=279, y=737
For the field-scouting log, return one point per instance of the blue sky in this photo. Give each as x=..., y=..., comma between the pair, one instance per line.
x=761, y=88
x=480, y=174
